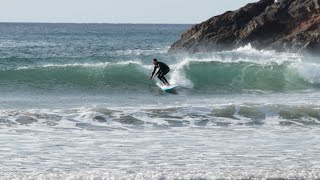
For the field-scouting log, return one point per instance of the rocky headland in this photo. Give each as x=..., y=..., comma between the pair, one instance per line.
x=283, y=25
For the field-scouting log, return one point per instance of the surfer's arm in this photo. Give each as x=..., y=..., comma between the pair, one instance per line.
x=154, y=70
x=158, y=72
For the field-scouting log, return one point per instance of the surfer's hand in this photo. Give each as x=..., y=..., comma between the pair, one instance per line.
x=150, y=78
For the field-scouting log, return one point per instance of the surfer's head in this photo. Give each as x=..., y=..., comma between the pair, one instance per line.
x=155, y=61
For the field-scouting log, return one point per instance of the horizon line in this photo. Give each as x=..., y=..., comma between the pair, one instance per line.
x=122, y=23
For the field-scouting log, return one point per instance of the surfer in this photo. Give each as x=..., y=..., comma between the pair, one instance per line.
x=163, y=70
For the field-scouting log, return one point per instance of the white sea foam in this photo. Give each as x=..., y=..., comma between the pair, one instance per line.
x=178, y=75
x=236, y=114
x=183, y=142
x=274, y=55
x=98, y=65
x=249, y=54
x=172, y=174
x=310, y=72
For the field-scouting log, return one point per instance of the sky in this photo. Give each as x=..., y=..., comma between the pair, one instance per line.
x=115, y=11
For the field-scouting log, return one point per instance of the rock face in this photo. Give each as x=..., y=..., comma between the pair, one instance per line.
x=282, y=25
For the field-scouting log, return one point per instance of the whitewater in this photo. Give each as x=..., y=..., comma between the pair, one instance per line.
x=76, y=103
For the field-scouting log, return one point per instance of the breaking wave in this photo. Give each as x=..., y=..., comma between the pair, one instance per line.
x=213, y=73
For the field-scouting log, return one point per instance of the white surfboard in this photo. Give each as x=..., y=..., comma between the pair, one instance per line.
x=168, y=88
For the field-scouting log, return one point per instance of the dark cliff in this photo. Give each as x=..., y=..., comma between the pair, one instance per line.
x=285, y=25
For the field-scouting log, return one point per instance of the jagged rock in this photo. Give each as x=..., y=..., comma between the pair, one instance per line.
x=281, y=25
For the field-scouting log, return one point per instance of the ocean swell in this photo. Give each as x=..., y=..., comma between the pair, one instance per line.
x=193, y=74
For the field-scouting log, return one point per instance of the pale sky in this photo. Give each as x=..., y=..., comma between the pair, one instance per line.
x=115, y=11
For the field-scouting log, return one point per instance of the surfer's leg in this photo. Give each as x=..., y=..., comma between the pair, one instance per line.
x=160, y=76
x=164, y=78
x=163, y=81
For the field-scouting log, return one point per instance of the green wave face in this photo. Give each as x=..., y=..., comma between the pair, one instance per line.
x=239, y=76
x=102, y=77
x=203, y=76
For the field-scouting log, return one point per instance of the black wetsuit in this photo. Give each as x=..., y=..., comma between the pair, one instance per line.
x=163, y=70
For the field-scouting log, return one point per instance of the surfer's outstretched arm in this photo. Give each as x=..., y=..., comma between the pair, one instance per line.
x=154, y=70
x=158, y=72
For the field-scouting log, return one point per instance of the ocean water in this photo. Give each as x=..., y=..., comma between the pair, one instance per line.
x=76, y=103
